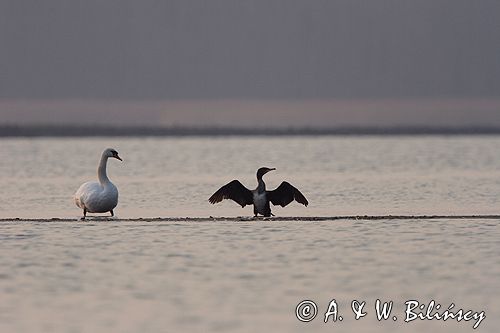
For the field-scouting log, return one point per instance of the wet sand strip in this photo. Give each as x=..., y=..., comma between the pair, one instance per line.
x=247, y=219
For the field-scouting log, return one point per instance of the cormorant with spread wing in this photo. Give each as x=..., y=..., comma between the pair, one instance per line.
x=259, y=198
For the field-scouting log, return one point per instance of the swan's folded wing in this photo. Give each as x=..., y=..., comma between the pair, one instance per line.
x=85, y=191
x=91, y=195
x=235, y=191
x=286, y=193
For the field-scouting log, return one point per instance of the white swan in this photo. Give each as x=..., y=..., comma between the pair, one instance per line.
x=102, y=196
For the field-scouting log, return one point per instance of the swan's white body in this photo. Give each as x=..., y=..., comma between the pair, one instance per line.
x=102, y=196
x=97, y=198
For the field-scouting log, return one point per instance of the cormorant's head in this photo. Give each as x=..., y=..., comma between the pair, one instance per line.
x=262, y=171
x=110, y=152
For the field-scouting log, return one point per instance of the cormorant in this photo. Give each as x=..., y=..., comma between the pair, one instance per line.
x=259, y=198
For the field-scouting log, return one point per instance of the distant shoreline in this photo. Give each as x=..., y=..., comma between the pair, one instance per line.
x=14, y=131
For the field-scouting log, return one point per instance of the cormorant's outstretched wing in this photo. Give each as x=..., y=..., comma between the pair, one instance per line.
x=235, y=191
x=286, y=193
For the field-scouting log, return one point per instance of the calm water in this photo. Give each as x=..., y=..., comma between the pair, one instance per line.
x=175, y=177
x=112, y=276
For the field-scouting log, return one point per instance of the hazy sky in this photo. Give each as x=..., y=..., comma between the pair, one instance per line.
x=263, y=49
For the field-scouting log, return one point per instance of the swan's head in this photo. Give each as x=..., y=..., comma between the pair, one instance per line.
x=110, y=152
x=262, y=171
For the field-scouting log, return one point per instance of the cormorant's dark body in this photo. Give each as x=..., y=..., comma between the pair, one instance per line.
x=259, y=198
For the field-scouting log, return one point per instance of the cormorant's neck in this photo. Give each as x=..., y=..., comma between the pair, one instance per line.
x=101, y=171
x=262, y=186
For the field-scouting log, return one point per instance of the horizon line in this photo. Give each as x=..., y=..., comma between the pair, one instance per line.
x=71, y=130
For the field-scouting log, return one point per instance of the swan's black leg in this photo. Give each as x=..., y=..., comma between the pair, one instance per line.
x=84, y=213
x=112, y=214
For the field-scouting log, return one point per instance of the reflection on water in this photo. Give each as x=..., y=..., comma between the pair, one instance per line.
x=247, y=276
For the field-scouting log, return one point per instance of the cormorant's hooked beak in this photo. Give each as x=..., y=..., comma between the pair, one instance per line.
x=271, y=169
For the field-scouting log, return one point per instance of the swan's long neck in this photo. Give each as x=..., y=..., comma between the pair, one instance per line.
x=101, y=171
